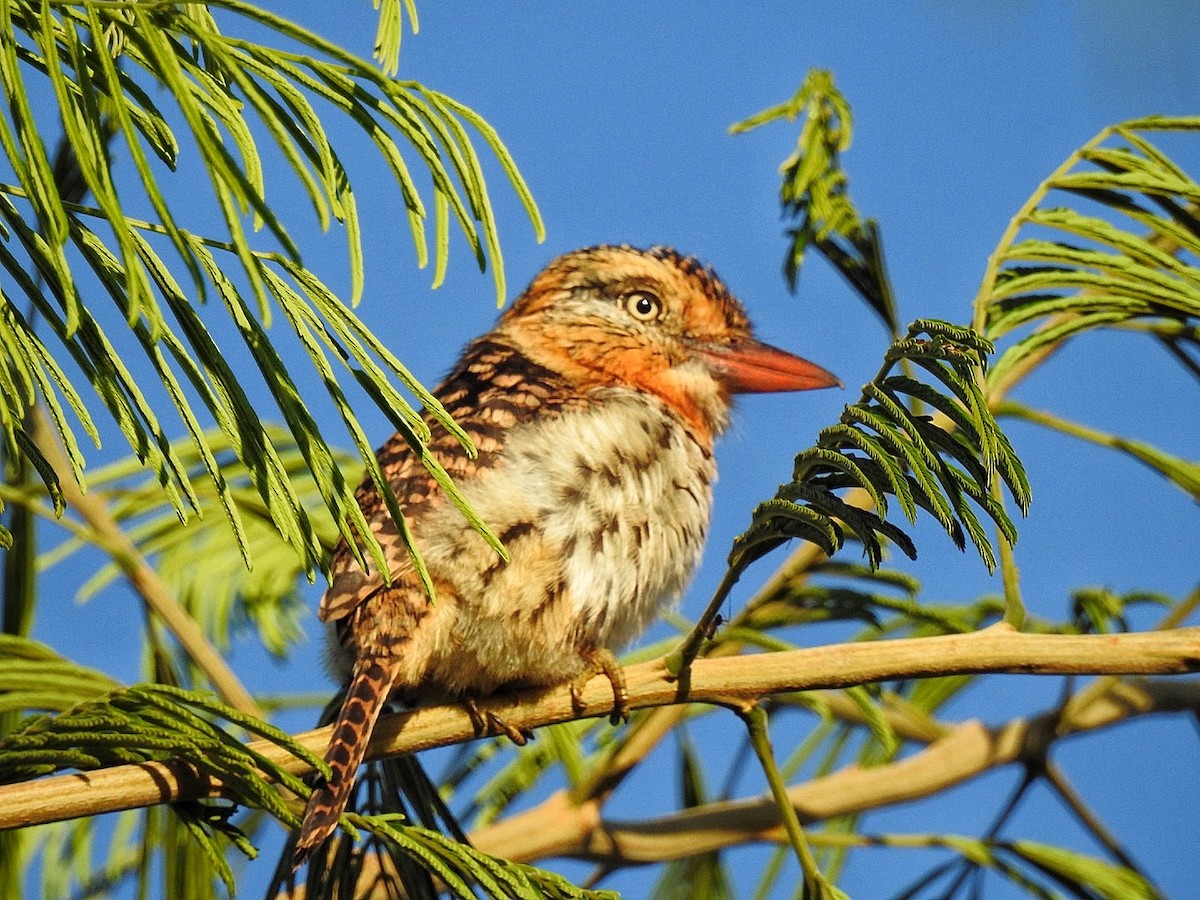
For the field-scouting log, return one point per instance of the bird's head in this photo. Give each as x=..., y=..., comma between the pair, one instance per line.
x=652, y=320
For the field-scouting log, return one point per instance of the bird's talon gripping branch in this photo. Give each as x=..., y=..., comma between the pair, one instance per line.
x=593, y=406
x=604, y=662
x=488, y=723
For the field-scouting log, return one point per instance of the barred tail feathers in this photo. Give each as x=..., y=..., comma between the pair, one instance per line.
x=370, y=685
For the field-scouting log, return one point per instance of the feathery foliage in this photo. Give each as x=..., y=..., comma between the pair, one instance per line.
x=468, y=873
x=884, y=447
x=1126, y=257
x=237, y=105
x=815, y=194
x=138, y=724
x=882, y=444
x=98, y=724
x=223, y=595
x=34, y=677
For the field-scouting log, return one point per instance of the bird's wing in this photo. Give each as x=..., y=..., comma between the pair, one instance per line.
x=350, y=583
x=493, y=389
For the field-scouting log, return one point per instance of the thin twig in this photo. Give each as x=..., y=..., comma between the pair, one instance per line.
x=154, y=592
x=760, y=740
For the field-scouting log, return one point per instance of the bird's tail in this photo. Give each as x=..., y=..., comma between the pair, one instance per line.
x=365, y=698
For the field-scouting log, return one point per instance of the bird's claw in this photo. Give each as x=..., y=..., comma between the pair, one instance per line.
x=603, y=662
x=488, y=723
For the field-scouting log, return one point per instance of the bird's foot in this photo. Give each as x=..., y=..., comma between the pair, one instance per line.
x=488, y=723
x=603, y=662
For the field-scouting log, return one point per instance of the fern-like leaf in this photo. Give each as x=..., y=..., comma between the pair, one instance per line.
x=232, y=102
x=883, y=447
x=815, y=195
x=1124, y=254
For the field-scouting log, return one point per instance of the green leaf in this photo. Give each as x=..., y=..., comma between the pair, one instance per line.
x=1079, y=872
x=884, y=448
x=1126, y=256
x=226, y=101
x=815, y=194
x=876, y=721
x=35, y=678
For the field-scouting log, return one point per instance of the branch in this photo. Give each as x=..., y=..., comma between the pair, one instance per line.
x=727, y=682
x=143, y=578
x=557, y=828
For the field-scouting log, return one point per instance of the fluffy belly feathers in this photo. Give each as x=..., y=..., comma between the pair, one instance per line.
x=604, y=513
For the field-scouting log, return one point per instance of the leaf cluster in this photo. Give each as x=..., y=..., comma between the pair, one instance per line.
x=1124, y=256
x=98, y=724
x=882, y=446
x=1036, y=868
x=224, y=594
x=815, y=195
x=237, y=105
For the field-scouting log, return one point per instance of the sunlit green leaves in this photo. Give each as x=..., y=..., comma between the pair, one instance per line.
x=815, y=194
x=141, y=724
x=35, y=678
x=223, y=595
x=99, y=723
x=882, y=445
x=152, y=722
x=391, y=30
x=1124, y=252
x=1033, y=868
x=1101, y=610
x=467, y=873
x=192, y=109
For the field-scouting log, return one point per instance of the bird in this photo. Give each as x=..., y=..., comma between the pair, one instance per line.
x=593, y=406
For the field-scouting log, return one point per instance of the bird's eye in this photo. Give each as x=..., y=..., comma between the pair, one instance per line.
x=643, y=306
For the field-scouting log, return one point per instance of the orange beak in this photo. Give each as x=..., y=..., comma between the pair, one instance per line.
x=752, y=367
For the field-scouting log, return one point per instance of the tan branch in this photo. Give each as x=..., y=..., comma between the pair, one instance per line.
x=143, y=577
x=728, y=681
x=556, y=828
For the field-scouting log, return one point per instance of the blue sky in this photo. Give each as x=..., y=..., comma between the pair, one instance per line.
x=617, y=115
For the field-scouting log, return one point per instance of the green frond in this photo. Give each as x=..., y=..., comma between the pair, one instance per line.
x=1082, y=874
x=155, y=722
x=896, y=579
x=224, y=595
x=229, y=102
x=466, y=872
x=390, y=31
x=877, y=722
x=522, y=769
x=886, y=449
x=1036, y=870
x=35, y=678
x=815, y=194
x=1124, y=252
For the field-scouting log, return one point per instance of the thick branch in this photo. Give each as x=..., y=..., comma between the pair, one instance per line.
x=556, y=828
x=733, y=681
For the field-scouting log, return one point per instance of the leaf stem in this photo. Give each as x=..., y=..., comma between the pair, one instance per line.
x=681, y=657
x=757, y=722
